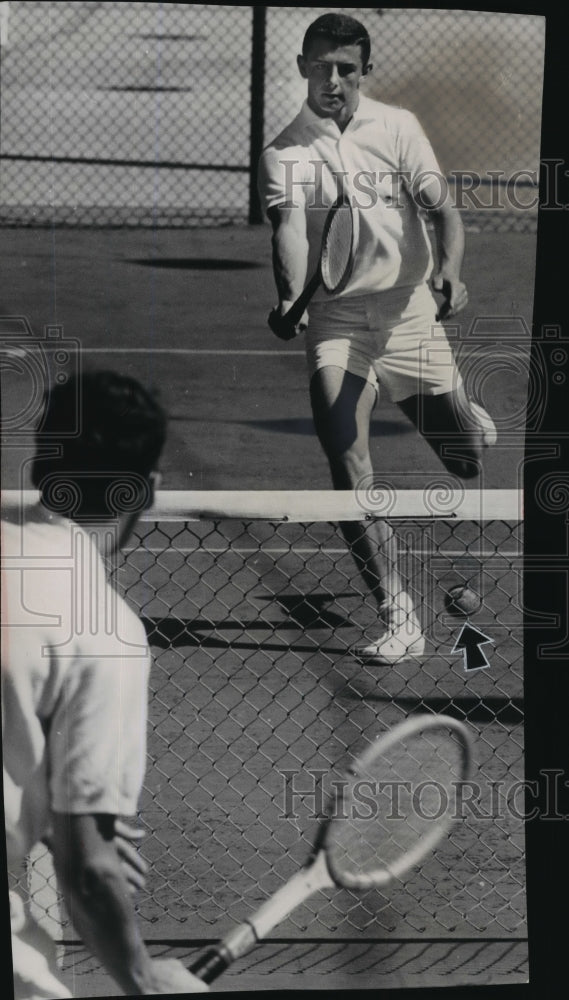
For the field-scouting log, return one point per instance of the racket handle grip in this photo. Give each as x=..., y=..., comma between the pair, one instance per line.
x=295, y=313
x=215, y=961
x=245, y=936
x=210, y=965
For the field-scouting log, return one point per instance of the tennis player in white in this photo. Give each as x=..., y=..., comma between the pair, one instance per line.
x=383, y=329
x=75, y=663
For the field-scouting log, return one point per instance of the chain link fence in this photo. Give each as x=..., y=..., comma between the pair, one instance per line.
x=154, y=114
x=256, y=703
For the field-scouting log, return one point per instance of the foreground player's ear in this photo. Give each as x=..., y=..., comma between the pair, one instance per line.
x=367, y=69
x=301, y=63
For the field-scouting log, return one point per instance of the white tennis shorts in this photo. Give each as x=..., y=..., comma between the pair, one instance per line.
x=390, y=338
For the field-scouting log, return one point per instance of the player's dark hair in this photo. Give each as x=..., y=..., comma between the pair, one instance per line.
x=104, y=464
x=341, y=29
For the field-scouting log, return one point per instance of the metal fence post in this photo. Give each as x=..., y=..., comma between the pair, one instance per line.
x=257, y=109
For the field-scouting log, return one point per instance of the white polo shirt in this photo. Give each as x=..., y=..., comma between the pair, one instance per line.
x=75, y=665
x=383, y=158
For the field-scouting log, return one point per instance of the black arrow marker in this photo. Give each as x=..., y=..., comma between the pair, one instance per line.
x=470, y=642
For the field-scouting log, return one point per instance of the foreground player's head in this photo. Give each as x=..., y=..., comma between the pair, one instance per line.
x=108, y=433
x=335, y=57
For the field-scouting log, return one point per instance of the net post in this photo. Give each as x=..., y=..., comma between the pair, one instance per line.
x=257, y=110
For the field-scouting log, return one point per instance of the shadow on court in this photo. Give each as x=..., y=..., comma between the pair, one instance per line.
x=197, y=263
x=379, y=428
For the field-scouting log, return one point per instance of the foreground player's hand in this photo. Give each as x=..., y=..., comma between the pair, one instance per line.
x=168, y=975
x=454, y=293
x=281, y=327
x=126, y=838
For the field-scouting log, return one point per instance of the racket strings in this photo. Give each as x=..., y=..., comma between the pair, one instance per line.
x=337, y=248
x=391, y=806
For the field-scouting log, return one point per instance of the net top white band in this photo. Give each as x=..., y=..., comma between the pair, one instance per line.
x=438, y=501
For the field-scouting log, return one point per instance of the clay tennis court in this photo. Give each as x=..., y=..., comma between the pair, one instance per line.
x=240, y=678
x=185, y=312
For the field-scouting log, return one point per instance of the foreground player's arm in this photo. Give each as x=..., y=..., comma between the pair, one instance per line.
x=449, y=237
x=97, y=752
x=290, y=256
x=98, y=901
x=126, y=840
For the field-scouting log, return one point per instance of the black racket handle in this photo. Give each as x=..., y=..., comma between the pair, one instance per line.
x=210, y=965
x=295, y=313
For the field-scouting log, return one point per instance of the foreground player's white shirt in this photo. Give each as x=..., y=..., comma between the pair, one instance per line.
x=75, y=665
x=383, y=157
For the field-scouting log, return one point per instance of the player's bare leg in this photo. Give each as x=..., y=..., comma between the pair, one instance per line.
x=342, y=405
x=456, y=429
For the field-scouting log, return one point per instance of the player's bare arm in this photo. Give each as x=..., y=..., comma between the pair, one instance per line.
x=290, y=261
x=449, y=238
x=98, y=900
x=126, y=840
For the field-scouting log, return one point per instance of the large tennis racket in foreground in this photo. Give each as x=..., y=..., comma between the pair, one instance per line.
x=337, y=253
x=395, y=804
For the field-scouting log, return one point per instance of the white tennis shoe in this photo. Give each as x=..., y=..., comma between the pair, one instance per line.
x=402, y=639
x=486, y=424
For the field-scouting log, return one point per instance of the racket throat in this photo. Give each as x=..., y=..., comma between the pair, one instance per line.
x=240, y=940
x=293, y=893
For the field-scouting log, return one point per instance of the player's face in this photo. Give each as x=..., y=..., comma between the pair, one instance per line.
x=333, y=76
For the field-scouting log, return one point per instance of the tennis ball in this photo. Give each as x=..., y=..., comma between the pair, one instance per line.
x=461, y=600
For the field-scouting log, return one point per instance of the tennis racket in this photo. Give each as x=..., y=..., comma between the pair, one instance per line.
x=337, y=254
x=361, y=848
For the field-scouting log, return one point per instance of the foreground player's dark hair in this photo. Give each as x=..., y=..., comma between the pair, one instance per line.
x=341, y=29
x=109, y=432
